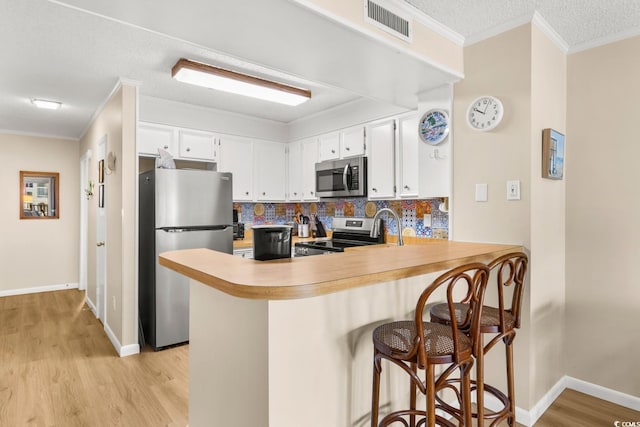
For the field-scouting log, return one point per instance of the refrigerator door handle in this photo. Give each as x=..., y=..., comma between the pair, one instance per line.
x=187, y=229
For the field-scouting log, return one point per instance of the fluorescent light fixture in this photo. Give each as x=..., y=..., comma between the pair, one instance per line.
x=211, y=77
x=49, y=105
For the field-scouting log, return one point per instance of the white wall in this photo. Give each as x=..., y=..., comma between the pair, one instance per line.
x=36, y=254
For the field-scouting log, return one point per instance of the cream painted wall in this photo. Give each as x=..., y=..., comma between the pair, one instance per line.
x=603, y=211
x=38, y=253
x=426, y=42
x=528, y=73
x=547, y=269
x=117, y=121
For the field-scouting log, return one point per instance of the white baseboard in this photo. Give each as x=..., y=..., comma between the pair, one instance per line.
x=123, y=351
x=529, y=418
x=613, y=396
x=91, y=305
x=37, y=289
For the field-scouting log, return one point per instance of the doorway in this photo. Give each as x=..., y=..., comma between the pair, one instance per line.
x=101, y=239
x=85, y=188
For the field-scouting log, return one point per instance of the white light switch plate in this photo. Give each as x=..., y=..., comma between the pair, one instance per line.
x=513, y=190
x=427, y=220
x=481, y=192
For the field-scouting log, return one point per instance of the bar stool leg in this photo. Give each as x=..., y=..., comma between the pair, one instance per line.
x=375, y=398
x=465, y=376
x=480, y=381
x=511, y=420
x=412, y=398
x=431, y=395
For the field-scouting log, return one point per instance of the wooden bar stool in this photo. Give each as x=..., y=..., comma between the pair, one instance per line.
x=414, y=345
x=502, y=322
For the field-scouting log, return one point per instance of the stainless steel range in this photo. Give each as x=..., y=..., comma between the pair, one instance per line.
x=347, y=232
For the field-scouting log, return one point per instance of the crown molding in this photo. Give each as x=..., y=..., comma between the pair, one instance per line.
x=604, y=40
x=544, y=26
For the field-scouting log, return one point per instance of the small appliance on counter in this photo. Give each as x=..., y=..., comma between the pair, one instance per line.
x=347, y=232
x=271, y=242
x=238, y=227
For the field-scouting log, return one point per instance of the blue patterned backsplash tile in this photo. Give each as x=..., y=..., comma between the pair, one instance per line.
x=411, y=213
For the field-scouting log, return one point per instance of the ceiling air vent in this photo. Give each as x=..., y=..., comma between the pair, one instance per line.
x=390, y=21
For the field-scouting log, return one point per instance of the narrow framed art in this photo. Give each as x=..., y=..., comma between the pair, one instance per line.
x=552, y=154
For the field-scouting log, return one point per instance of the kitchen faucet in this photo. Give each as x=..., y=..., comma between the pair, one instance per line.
x=375, y=230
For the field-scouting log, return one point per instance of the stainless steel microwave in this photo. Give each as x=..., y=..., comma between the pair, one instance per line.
x=342, y=178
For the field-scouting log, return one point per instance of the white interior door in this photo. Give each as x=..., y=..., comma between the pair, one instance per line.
x=101, y=239
x=84, y=203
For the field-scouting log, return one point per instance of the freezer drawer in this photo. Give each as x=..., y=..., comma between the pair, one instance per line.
x=165, y=300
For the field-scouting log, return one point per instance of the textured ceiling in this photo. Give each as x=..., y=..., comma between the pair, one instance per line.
x=580, y=23
x=75, y=51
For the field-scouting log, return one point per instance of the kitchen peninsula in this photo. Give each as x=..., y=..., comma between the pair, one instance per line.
x=288, y=342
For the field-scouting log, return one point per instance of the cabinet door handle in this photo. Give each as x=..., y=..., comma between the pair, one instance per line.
x=100, y=244
x=333, y=151
x=406, y=187
x=166, y=147
x=347, y=148
x=264, y=194
x=295, y=194
x=312, y=193
x=246, y=193
x=374, y=189
x=188, y=149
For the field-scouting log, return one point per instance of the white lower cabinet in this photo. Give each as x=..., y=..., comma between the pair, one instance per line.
x=382, y=160
x=236, y=156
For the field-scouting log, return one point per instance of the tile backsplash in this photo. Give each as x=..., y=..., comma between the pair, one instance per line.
x=411, y=213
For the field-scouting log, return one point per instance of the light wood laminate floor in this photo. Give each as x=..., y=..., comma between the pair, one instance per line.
x=59, y=369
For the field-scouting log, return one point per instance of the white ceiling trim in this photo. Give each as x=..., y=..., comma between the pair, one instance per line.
x=498, y=29
x=430, y=23
x=542, y=24
x=379, y=38
x=36, y=135
x=604, y=40
x=121, y=82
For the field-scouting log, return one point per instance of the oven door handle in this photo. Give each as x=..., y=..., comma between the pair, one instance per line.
x=345, y=180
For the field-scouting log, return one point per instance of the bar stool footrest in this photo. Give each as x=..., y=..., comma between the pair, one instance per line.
x=495, y=417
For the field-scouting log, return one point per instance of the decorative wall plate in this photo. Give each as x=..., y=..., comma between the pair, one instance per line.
x=434, y=126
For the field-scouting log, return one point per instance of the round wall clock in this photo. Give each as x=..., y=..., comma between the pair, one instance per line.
x=485, y=113
x=434, y=126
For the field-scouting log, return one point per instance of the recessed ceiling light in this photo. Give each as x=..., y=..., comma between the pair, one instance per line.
x=49, y=105
x=211, y=77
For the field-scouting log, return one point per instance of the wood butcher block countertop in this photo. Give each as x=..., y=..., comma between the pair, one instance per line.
x=303, y=277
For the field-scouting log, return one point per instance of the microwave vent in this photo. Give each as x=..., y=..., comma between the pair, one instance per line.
x=388, y=20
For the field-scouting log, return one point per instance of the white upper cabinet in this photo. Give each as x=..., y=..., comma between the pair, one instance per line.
x=352, y=142
x=294, y=160
x=151, y=137
x=329, y=146
x=408, y=144
x=270, y=166
x=236, y=156
x=381, y=163
x=197, y=145
x=309, y=160
x=303, y=156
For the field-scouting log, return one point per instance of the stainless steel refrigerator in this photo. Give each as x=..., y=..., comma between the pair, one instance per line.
x=178, y=209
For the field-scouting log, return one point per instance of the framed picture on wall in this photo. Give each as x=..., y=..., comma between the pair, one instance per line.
x=101, y=196
x=552, y=154
x=101, y=171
